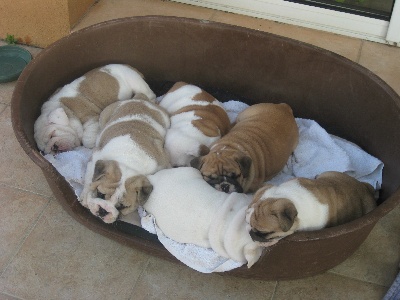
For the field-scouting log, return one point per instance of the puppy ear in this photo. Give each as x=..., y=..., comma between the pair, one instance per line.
x=141, y=96
x=203, y=150
x=244, y=165
x=106, y=167
x=260, y=192
x=286, y=215
x=196, y=163
x=139, y=185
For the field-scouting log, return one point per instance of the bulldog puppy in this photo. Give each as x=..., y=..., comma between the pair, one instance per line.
x=255, y=149
x=197, y=121
x=188, y=210
x=129, y=147
x=333, y=198
x=70, y=117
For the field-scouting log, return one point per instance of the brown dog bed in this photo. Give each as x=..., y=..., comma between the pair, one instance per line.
x=343, y=97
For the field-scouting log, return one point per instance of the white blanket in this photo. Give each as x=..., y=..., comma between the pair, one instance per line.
x=316, y=153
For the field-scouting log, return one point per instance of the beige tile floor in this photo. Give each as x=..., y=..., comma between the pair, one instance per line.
x=45, y=254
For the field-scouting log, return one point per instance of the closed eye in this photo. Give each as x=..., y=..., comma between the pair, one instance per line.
x=263, y=234
x=100, y=195
x=233, y=175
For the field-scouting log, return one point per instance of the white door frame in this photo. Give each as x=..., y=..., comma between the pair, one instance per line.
x=313, y=17
x=393, y=33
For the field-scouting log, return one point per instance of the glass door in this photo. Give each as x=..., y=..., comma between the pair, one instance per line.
x=380, y=9
x=374, y=20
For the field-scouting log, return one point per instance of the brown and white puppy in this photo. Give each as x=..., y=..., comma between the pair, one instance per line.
x=197, y=121
x=256, y=149
x=70, y=117
x=333, y=198
x=129, y=147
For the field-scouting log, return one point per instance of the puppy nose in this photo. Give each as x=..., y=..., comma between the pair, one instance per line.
x=55, y=148
x=102, y=212
x=225, y=187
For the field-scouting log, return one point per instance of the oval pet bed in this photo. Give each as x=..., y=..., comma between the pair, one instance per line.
x=231, y=63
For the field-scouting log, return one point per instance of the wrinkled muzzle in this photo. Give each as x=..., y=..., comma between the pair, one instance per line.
x=103, y=209
x=225, y=184
x=60, y=138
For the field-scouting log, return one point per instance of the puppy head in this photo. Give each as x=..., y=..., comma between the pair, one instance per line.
x=110, y=196
x=137, y=191
x=56, y=133
x=271, y=219
x=225, y=171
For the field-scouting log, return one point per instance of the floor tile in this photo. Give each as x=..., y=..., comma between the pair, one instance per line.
x=2, y=106
x=61, y=259
x=19, y=211
x=377, y=259
x=14, y=163
x=328, y=286
x=166, y=280
x=383, y=61
x=6, y=91
x=106, y=10
x=345, y=46
x=8, y=297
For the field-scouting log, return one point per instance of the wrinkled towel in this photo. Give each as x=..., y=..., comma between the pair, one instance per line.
x=72, y=165
x=316, y=153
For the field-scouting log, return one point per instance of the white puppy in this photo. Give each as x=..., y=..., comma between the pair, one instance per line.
x=197, y=121
x=70, y=117
x=129, y=147
x=189, y=210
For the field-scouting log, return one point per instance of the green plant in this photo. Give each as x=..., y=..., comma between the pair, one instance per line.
x=10, y=39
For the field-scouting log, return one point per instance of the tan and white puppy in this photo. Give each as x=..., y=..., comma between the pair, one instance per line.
x=255, y=149
x=129, y=147
x=197, y=121
x=333, y=198
x=188, y=210
x=70, y=117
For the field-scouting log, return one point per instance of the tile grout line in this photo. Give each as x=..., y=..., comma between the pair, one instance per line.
x=28, y=232
x=4, y=184
x=14, y=297
x=357, y=279
x=213, y=15
x=137, y=279
x=275, y=288
x=359, y=52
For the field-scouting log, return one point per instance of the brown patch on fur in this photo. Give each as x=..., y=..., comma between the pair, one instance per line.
x=213, y=120
x=98, y=90
x=138, y=189
x=140, y=131
x=267, y=133
x=348, y=198
x=138, y=108
x=106, y=177
x=176, y=86
x=204, y=96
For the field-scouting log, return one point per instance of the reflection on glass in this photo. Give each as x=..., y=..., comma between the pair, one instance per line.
x=380, y=9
